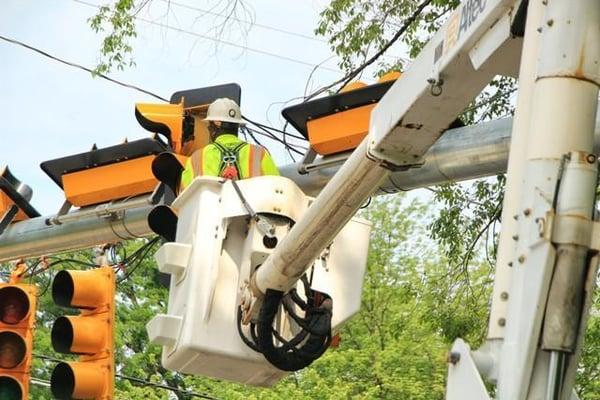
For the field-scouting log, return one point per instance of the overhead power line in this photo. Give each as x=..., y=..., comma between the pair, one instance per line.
x=222, y=41
x=75, y=65
x=351, y=75
x=263, y=26
x=252, y=23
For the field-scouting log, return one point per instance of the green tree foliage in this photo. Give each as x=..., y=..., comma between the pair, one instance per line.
x=116, y=22
x=395, y=348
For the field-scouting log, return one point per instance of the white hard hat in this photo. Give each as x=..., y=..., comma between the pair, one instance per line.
x=224, y=110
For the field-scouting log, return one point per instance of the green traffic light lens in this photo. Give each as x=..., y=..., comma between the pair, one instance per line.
x=14, y=305
x=10, y=389
x=12, y=350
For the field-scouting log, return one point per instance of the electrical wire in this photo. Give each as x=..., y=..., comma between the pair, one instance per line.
x=139, y=381
x=222, y=41
x=287, y=145
x=258, y=124
x=263, y=26
x=75, y=65
x=255, y=24
x=137, y=257
x=271, y=133
x=351, y=75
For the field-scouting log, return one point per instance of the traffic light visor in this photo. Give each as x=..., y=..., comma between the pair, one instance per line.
x=77, y=380
x=164, y=119
x=80, y=289
x=14, y=305
x=12, y=350
x=10, y=389
x=78, y=335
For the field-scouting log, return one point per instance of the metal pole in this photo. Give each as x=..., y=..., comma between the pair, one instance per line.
x=83, y=229
x=484, y=146
x=460, y=154
x=563, y=114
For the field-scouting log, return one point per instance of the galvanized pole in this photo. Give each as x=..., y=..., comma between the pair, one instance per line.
x=563, y=114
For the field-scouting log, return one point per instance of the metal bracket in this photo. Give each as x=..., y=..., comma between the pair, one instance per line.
x=464, y=381
x=309, y=165
x=64, y=209
x=308, y=159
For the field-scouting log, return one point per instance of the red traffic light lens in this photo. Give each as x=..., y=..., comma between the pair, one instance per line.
x=12, y=350
x=10, y=389
x=14, y=305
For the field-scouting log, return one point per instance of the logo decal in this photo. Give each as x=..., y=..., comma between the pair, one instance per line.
x=470, y=11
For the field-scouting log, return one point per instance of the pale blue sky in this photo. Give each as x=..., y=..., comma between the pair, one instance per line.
x=50, y=110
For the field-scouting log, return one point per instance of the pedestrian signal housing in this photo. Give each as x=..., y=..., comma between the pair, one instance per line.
x=338, y=123
x=89, y=334
x=17, y=322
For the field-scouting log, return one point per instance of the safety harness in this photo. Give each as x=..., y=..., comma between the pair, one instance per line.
x=229, y=167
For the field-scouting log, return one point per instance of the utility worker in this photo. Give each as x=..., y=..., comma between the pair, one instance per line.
x=227, y=156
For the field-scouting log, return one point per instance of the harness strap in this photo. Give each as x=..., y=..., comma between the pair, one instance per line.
x=225, y=152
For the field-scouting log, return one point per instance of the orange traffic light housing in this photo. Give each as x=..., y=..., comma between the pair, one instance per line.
x=169, y=120
x=17, y=321
x=338, y=123
x=90, y=334
x=106, y=174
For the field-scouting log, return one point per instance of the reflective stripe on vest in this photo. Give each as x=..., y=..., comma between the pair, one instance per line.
x=255, y=157
x=197, y=163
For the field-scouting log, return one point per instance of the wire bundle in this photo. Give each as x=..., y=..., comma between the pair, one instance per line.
x=313, y=338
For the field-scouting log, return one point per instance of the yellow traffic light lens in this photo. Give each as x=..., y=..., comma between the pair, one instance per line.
x=10, y=389
x=14, y=305
x=62, y=381
x=12, y=350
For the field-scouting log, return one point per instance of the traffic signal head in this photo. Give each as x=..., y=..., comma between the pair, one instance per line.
x=168, y=120
x=17, y=317
x=90, y=334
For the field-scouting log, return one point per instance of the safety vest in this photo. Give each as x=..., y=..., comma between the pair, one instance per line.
x=250, y=160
